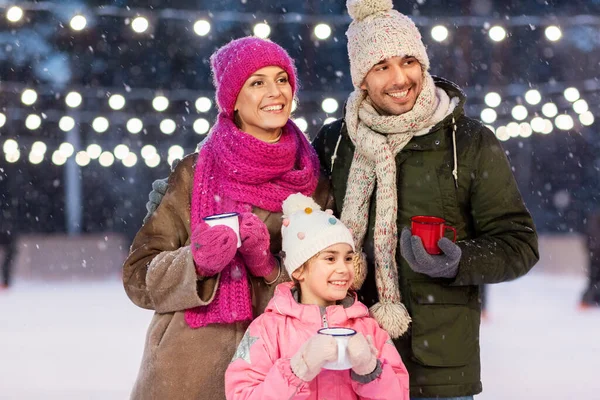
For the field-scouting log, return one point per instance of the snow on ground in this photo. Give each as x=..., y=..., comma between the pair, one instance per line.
x=85, y=340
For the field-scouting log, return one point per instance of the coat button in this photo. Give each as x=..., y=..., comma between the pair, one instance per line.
x=437, y=142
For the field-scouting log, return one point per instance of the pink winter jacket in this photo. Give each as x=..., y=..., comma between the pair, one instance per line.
x=260, y=368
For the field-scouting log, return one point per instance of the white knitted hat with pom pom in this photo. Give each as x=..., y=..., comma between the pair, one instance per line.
x=378, y=32
x=307, y=230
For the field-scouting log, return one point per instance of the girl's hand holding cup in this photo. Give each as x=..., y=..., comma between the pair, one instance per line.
x=314, y=353
x=362, y=354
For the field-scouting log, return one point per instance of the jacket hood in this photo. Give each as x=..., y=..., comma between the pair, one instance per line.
x=285, y=303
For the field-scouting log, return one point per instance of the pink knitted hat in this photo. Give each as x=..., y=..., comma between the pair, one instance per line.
x=233, y=63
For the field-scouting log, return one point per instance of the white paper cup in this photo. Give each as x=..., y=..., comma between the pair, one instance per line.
x=341, y=336
x=228, y=219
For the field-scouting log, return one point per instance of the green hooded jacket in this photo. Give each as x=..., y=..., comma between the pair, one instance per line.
x=495, y=232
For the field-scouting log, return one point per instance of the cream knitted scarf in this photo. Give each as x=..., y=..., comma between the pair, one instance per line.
x=378, y=139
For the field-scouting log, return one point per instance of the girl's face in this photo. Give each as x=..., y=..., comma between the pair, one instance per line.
x=326, y=278
x=265, y=102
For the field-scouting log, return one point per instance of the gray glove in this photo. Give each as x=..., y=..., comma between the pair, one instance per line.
x=436, y=266
x=159, y=188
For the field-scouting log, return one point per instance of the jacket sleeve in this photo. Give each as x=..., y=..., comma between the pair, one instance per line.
x=324, y=145
x=159, y=272
x=505, y=245
x=256, y=372
x=393, y=381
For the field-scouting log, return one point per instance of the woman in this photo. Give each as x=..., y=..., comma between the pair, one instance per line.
x=204, y=290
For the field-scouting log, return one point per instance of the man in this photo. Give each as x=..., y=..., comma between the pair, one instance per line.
x=405, y=148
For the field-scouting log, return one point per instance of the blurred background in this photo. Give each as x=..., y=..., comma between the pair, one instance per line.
x=97, y=98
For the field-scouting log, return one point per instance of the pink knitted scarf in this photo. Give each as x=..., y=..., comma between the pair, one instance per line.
x=234, y=173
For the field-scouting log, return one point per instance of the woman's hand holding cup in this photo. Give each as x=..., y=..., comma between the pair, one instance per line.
x=256, y=244
x=212, y=248
x=314, y=353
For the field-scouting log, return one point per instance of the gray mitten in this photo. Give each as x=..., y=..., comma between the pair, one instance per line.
x=159, y=188
x=436, y=266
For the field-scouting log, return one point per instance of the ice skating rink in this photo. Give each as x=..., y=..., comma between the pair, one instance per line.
x=84, y=341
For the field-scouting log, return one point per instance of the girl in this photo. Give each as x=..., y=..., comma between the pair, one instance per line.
x=282, y=356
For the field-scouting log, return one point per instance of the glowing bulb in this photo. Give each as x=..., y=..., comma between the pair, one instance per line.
x=262, y=30
x=66, y=123
x=135, y=125
x=10, y=146
x=167, y=126
x=73, y=99
x=553, y=33
x=94, y=151
x=130, y=160
x=302, y=124
x=519, y=112
x=439, y=33
x=203, y=104
x=100, y=124
x=106, y=159
x=116, y=101
x=82, y=158
x=533, y=97
x=201, y=126
x=140, y=24
x=148, y=151
x=202, y=27
x=329, y=105
x=33, y=121
x=488, y=115
x=492, y=99
x=29, y=96
x=497, y=33
x=121, y=151
x=322, y=31
x=571, y=94
x=564, y=122
x=66, y=149
x=14, y=14
x=78, y=23
x=549, y=110
x=160, y=103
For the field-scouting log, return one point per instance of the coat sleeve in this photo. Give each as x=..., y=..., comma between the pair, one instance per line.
x=393, y=381
x=159, y=273
x=505, y=245
x=324, y=145
x=256, y=371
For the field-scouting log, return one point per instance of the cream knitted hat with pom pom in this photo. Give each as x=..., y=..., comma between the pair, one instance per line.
x=378, y=32
x=307, y=230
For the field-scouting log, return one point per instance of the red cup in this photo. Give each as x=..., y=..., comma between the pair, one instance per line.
x=430, y=230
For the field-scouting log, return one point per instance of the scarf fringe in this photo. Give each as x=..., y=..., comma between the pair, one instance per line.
x=393, y=317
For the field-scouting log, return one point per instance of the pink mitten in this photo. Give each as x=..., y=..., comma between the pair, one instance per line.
x=212, y=248
x=256, y=243
x=362, y=354
x=314, y=353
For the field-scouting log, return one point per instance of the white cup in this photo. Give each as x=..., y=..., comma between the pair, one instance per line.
x=228, y=219
x=341, y=336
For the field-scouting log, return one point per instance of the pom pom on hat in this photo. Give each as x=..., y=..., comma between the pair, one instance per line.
x=360, y=9
x=307, y=230
x=378, y=32
x=298, y=202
